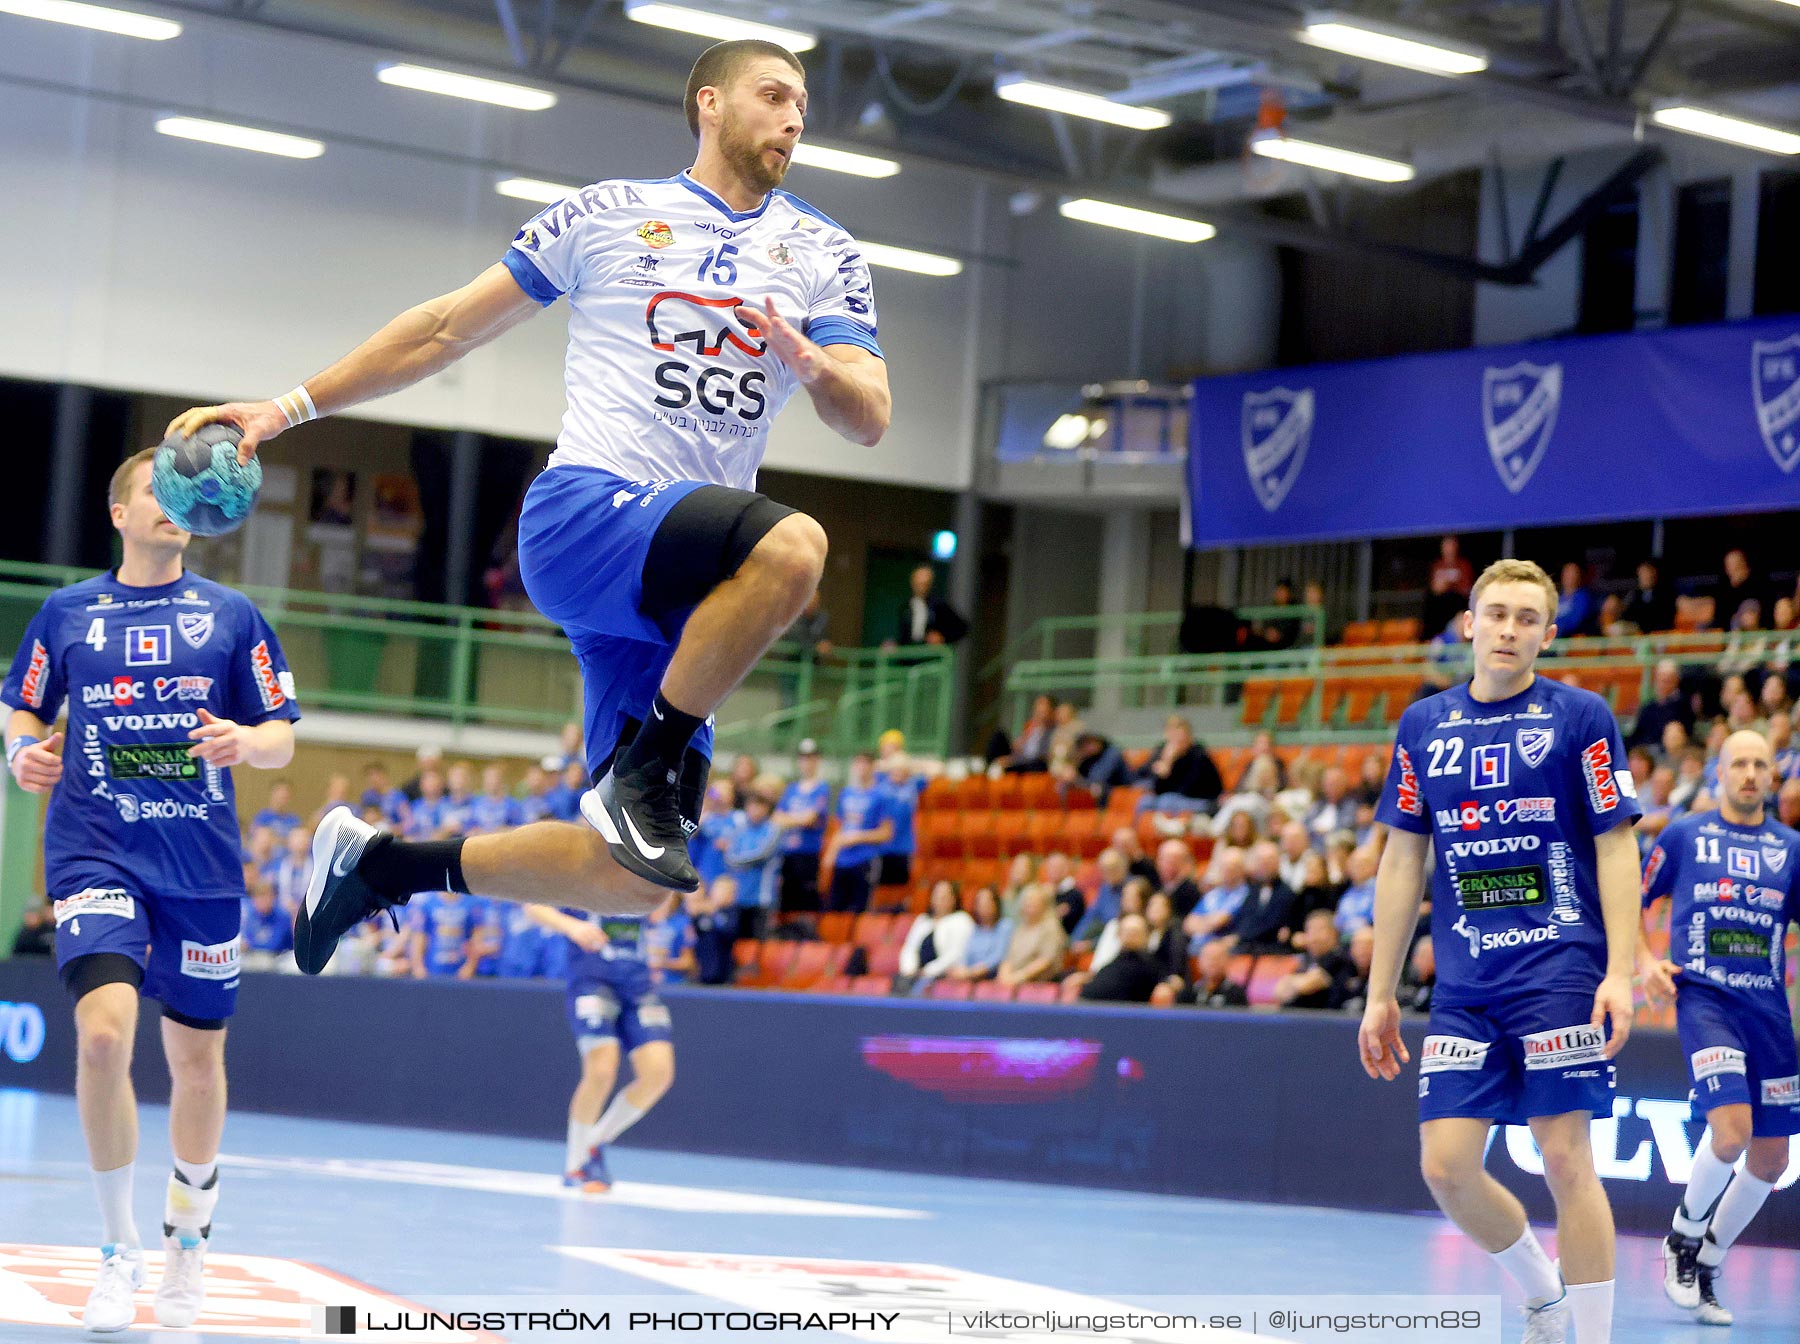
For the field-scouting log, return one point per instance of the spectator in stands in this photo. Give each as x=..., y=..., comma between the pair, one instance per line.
x=429, y=756
x=805, y=807
x=1649, y=605
x=1334, y=808
x=1781, y=746
x=1773, y=698
x=1106, y=945
x=524, y=944
x=568, y=748
x=1787, y=803
x=669, y=939
x=279, y=816
x=900, y=789
x=1667, y=704
x=1690, y=778
x=268, y=930
x=1741, y=584
x=810, y=628
x=712, y=914
x=1029, y=750
x=37, y=930
x=1356, y=907
x=1370, y=777
x=1338, y=847
x=1577, y=610
x=1311, y=636
x=534, y=793
x=1320, y=980
x=1182, y=776
x=444, y=926
x=744, y=770
x=1655, y=795
x=337, y=794
x=564, y=796
x=494, y=808
x=291, y=872
x=1265, y=921
x=459, y=800
x=1315, y=890
x=1361, y=951
x=707, y=847
x=1114, y=873
x=752, y=850
x=864, y=825
x=1020, y=873
x=1097, y=766
x=378, y=791
x=1175, y=876
x=988, y=939
x=1447, y=587
x=1225, y=892
x=1058, y=875
x=925, y=618
x=1214, y=988
x=937, y=939
x=1067, y=728
x=1125, y=840
x=1038, y=944
x=1237, y=828
x=1255, y=797
x=1262, y=748
x=1133, y=975
x=1296, y=845
x=1276, y=632
x=1420, y=978
x=1168, y=944
x=263, y=850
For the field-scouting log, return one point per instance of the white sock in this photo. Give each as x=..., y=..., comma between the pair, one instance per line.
x=197, y=1174
x=1531, y=1269
x=117, y=1226
x=620, y=1116
x=576, y=1153
x=1591, y=1311
x=1707, y=1181
x=1742, y=1199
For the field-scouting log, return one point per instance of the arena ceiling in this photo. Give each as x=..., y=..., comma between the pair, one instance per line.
x=916, y=78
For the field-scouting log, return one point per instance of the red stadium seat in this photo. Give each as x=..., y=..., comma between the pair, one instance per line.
x=972, y=793
x=744, y=953
x=939, y=795
x=871, y=930
x=1291, y=697
x=1083, y=834
x=1261, y=989
x=983, y=873
x=1039, y=792
x=1361, y=632
x=776, y=960
x=885, y=961
x=1038, y=991
x=992, y=991
x=1403, y=630
x=879, y=986
x=832, y=984
x=1008, y=793
x=834, y=926
x=1014, y=833
x=981, y=840
x=892, y=897
x=813, y=963
x=1259, y=694
x=1080, y=799
x=949, y=989
x=1048, y=832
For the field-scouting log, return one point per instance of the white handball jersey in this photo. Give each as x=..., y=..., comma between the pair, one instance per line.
x=663, y=382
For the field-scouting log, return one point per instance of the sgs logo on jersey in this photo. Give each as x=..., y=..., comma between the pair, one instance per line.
x=706, y=327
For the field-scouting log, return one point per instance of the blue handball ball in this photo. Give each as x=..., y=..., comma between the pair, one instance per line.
x=199, y=483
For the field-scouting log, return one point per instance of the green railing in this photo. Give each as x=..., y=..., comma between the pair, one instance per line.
x=474, y=665
x=1353, y=691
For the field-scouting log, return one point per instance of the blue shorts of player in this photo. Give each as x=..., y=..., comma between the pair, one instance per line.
x=1533, y=1055
x=1739, y=1055
x=187, y=949
x=625, y=1010
x=583, y=538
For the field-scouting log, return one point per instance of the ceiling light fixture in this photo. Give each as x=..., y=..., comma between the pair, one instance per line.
x=120, y=21
x=1074, y=102
x=703, y=23
x=843, y=161
x=449, y=83
x=1330, y=159
x=1358, y=37
x=1137, y=221
x=233, y=136
x=1732, y=130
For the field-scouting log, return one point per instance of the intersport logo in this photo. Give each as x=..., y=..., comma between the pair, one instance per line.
x=139, y=723
x=1505, y=844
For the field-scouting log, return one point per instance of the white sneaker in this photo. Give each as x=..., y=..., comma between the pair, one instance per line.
x=1549, y=1323
x=1681, y=1270
x=1711, y=1311
x=183, y=1288
x=109, y=1305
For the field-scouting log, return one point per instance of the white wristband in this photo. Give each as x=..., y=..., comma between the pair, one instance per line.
x=297, y=406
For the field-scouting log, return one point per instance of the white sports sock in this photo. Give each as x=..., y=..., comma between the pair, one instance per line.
x=576, y=1152
x=620, y=1116
x=1706, y=1183
x=1744, y=1197
x=1531, y=1269
x=1591, y=1311
x=117, y=1226
x=197, y=1174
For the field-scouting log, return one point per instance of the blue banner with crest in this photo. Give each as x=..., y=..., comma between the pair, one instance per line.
x=1698, y=420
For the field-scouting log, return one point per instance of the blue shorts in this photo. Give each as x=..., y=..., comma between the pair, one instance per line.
x=1739, y=1056
x=1534, y=1055
x=188, y=948
x=604, y=1010
x=583, y=537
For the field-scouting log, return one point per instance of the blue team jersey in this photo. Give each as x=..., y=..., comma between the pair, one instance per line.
x=273, y=932
x=804, y=796
x=136, y=665
x=901, y=803
x=860, y=810
x=622, y=960
x=425, y=817
x=487, y=813
x=448, y=922
x=1512, y=794
x=1734, y=891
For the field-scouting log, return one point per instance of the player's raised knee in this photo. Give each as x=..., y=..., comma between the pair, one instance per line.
x=792, y=554
x=1444, y=1171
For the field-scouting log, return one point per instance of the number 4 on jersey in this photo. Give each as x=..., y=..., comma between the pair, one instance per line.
x=96, y=634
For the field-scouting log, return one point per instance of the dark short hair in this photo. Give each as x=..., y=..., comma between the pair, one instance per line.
x=720, y=63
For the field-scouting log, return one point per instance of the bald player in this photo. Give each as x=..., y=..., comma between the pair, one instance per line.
x=1731, y=877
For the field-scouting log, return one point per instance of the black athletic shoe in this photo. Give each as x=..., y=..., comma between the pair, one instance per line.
x=1681, y=1270
x=640, y=819
x=337, y=900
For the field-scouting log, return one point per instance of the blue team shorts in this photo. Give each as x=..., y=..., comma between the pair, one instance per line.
x=583, y=538
x=1739, y=1056
x=1533, y=1055
x=188, y=948
x=604, y=1010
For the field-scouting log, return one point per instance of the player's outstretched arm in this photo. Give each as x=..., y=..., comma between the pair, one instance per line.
x=847, y=384
x=420, y=342
x=1399, y=888
x=1621, y=887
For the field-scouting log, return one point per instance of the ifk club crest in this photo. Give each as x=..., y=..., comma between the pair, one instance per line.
x=1775, y=379
x=1276, y=431
x=1518, y=410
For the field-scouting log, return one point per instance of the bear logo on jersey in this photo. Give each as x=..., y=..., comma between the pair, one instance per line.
x=1775, y=380
x=1518, y=410
x=1276, y=429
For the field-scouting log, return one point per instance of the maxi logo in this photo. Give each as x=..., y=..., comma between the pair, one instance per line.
x=1502, y=844
x=1406, y=793
x=1275, y=430
x=268, y=685
x=152, y=760
x=1596, y=767
x=37, y=673
x=1500, y=888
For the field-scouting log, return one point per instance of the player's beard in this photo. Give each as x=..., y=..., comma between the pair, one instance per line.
x=748, y=158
